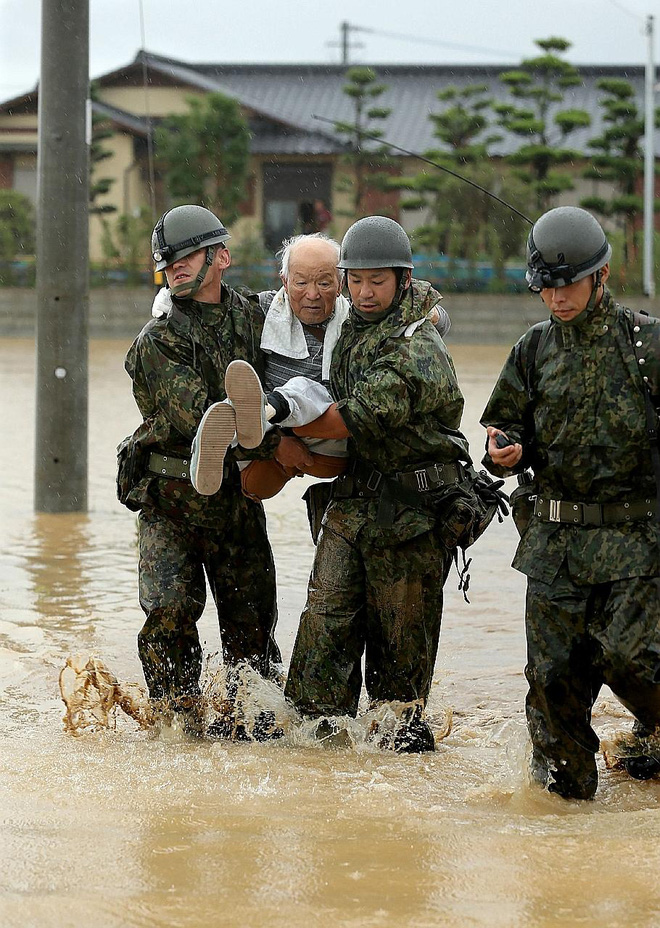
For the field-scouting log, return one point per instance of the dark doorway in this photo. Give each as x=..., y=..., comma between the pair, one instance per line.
x=290, y=193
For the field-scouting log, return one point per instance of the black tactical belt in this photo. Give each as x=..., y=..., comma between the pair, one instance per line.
x=167, y=466
x=422, y=479
x=561, y=510
x=431, y=476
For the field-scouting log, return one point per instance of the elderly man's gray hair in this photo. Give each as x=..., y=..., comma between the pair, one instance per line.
x=290, y=243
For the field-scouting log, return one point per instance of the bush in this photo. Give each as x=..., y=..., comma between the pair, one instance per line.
x=17, y=225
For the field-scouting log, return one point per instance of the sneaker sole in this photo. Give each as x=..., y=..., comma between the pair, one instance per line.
x=245, y=392
x=215, y=434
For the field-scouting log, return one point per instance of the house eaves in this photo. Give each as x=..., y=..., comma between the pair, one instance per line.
x=295, y=93
x=292, y=138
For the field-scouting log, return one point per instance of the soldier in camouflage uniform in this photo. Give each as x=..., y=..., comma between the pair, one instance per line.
x=376, y=586
x=177, y=365
x=570, y=405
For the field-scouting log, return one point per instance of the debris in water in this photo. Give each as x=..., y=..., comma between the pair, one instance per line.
x=92, y=694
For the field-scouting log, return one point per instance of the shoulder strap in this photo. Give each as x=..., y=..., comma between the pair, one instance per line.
x=639, y=319
x=531, y=349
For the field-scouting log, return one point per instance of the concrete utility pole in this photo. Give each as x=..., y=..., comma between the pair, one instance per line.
x=649, y=165
x=62, y=259
x=346, y=44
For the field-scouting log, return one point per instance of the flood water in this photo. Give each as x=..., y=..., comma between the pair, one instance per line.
x=123, y=828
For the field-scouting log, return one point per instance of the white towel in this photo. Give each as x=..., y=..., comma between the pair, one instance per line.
x=283, y=332
x=162, y=303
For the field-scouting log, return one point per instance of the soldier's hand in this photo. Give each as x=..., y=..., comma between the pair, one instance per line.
x=507, y=456
x=293, y=454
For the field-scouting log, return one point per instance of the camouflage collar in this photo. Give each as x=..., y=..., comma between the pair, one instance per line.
x=207, y=313
x=417, y=301
x=592, y=324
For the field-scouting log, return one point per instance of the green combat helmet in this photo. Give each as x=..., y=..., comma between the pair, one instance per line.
x=565, y=245
x=375, y=241
x=181, y=231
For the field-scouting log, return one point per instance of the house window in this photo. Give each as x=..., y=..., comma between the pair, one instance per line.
x=293, y=193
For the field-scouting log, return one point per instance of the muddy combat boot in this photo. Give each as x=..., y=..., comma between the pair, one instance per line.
x=188, y=712
x=637, y=752
x=183, y=713
x=329, y=733
x=215, y=434
x=247, y=397
x=644, y=765
x=413, y=734
x=227, y=726
x=265, y=727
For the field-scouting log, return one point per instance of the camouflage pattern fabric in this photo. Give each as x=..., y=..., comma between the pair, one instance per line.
x=398, y=395
x=578, y=638
x=589, y=443
x=238, y=563
x=592, y=610
x=177, y=365
x=385, y=603
x=377, y=589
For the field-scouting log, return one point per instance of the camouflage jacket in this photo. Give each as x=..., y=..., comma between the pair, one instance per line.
x=580, y=417
x=398, y=394
x=177, y=365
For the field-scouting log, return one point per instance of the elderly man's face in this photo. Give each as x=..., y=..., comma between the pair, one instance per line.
x=313, y=282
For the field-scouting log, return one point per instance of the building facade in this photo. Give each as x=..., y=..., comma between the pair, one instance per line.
x=296, y=158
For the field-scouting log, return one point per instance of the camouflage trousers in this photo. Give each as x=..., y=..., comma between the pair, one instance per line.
x=383, y=602
x=579, y=638
x=174, y=558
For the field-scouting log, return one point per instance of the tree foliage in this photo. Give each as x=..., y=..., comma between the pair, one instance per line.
x=366, y=158
x=98, y=153
x=538, y=87
x=461, y=220
x=133, y=233
x=17, y=225
x=204, y=154
x=619, y=160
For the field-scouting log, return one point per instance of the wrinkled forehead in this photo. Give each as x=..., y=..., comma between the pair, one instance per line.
x=312, y=258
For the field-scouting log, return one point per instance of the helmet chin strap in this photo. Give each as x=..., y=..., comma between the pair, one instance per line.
x=582, y=316
x=401, y=289
x=199, y=280
x=594, y=291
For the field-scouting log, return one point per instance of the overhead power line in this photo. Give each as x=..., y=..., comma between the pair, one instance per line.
x=346, y=43
x=438, y=42
x=624, y=9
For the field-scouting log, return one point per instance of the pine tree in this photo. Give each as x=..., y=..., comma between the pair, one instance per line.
x=205, y=154
x=541, y=83
x=619, y=160
x=366, y=159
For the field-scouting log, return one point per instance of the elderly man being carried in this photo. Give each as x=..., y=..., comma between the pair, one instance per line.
x=303, y=323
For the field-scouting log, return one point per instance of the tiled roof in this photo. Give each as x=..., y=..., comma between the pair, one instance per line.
x=138, y=125
x=294, y=94
x=283, y=100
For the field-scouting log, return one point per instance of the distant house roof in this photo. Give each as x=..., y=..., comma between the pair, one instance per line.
x=282, y=100
x=295, y=93
x=137, y=125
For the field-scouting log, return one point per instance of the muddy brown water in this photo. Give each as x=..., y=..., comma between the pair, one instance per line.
x=124, y=829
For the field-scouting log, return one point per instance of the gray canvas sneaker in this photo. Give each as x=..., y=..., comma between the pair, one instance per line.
x=215, y=434
x=246, y=395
